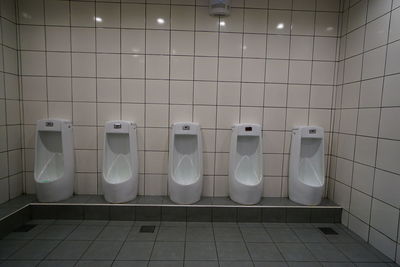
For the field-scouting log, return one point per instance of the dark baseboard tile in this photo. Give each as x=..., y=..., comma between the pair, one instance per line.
x=185, y=213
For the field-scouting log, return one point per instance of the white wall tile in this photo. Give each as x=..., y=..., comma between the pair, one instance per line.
x=385, y=187
x=389, y=128
x=363, y=177
x=387, y=155
x=230, y=44
x=302, y=22
x=255, y=20
x=132, y=15
x=31, y=37
x=57, y=12
x=384, y=218
x=82, y=14
x=360, y=205
x=31, y=12
x=108, y=14
x=279, y=21
x=182, y=43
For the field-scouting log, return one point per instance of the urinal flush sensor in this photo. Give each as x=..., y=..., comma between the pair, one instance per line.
x=220, y=7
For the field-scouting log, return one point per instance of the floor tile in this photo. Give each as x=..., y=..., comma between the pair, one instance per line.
x=236, y=264
x=27, y=235
x=227, y=234
x=56, y=232
x=326, y=252
x=199, y=234
x=102, y=250
x=173, y=224
x=35, y=250
x=121, y=223
x=264, y=252
x=19, y=263
x=283, y=235
x=165, y=264
x=114, y=233
x=272, y=225
x=67, y=222
x=136, y=250
x=295, y=252
x=232, y=251
x=136, y=235
x=341, y=237
x=304, y=264
x=310, y=235
x=255, y=235
x=201, y=264
x=85, y=232
x=168, y=251
x=371, y=264
x=69, y=250
x=93, y=263
x=357, y=252
x=130, y=263
x=270, y=264
x=225, y=225
x=57, y=263
x=95, y=222
x=200, y=251
x=171, y=234
x=8, y=247
x=199, y=225
x=338, y=264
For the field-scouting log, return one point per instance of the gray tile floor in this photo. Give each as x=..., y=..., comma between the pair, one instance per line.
x=119, y=243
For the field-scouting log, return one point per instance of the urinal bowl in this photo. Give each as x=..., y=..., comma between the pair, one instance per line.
x=56, y=190
x=305, y=194
x=185, y=175
x=306, y=166
x=120, y=192
x=120, y=162
x=54, y=161
x=184, y=194
x=245, y=164
x=245, y=194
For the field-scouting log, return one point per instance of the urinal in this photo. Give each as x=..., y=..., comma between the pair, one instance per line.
x=120, y=162
x=246, y=164
x=54, y=160
x=306, y=167
x=185, y=174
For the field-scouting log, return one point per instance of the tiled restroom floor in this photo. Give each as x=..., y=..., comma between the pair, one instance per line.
x=119, y=243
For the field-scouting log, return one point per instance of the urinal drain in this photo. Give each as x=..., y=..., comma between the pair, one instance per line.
x=147, y=229
x=328, y=231
x=25, y=228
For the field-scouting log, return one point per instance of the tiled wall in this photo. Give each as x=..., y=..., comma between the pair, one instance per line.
x=366, y=143
x=10, y=116
x=159, y=63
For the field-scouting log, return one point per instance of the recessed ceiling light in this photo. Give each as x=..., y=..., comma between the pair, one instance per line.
x=160, y=21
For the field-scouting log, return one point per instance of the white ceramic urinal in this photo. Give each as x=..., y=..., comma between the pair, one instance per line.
x=306, y=167
x=54, y=160
x=185, y=178
x=245, y=164
x=120, y=162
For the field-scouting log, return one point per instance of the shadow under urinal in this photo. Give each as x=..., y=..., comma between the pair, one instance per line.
x=306, y=166
x=54, y=160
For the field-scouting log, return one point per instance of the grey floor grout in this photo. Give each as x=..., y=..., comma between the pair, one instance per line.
x=364, y=254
